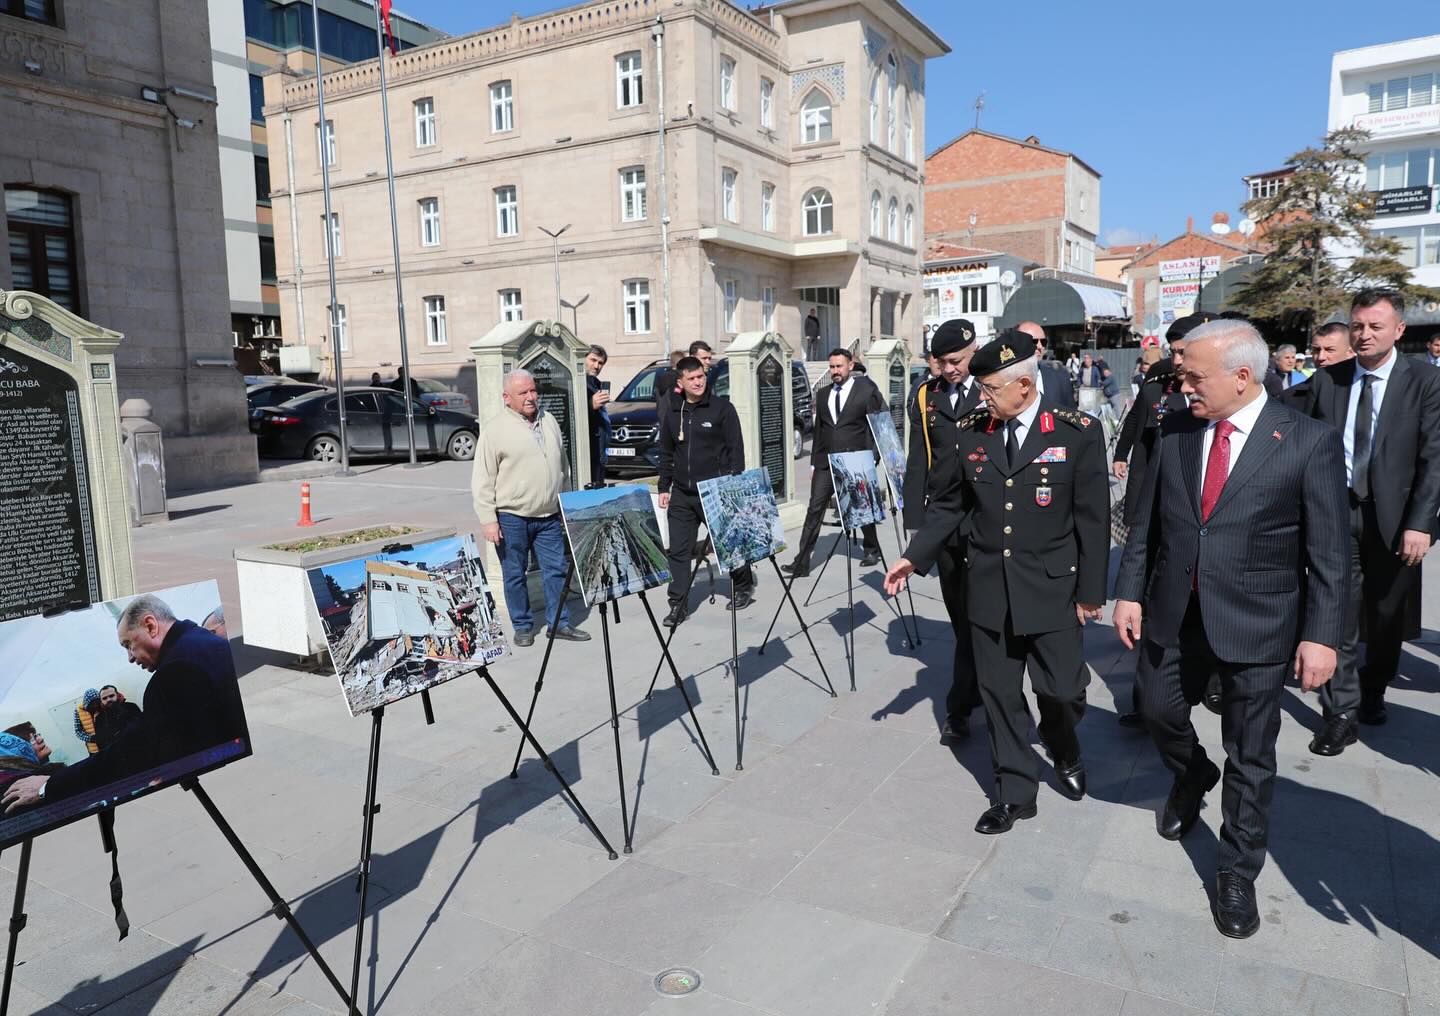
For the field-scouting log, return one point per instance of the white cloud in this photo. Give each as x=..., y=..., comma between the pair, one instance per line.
x=1123, y=235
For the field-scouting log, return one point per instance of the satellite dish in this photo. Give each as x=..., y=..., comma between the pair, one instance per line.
x=1219, y=228
x=1007, y=278
x=1247, y=227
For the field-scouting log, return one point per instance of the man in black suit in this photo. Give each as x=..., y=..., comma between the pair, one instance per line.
x=1432, y=351
x=840, y=426
x=1054, y=380
x=1238, y=559
x=1387, y=410
x=930, y=464
x=1030, y=499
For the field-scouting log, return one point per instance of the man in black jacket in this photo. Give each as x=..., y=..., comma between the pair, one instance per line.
x=1030, y=498
x=191, y=703
x=840, y=426
x=1387, y=410
x=598, y=394
x=1238, y=559
x=700, y=439
x=933, y=457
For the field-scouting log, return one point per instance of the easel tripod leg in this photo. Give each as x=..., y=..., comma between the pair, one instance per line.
x=910, y=635
x=735, y=675
x=909, y=594
x=850, y=595
x=665, y=649
x=661, y=662
x=367, y=839
x=826, y=563
x=615, y=726
x=788, y=597
x=17, y=923
x=545, y=662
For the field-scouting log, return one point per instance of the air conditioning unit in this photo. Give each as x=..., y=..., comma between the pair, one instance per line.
x=235, y=339
x=299, y=360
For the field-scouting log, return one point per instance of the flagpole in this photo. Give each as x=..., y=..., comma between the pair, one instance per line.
x=395, y=243
x=324, y=147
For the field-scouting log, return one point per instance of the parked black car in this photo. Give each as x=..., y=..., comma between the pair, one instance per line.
x=273, y=393
x=634, y=425
x=309, y=427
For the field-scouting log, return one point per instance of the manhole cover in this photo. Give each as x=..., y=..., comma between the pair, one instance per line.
x=676, y=981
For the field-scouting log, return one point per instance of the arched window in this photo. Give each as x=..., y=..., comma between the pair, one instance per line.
x=909, y=225
x=892, y=221
x=909, y=131
x=42, y=243
x=875, y=109
x=875, y=226
x=892, y=120
x=815, y=117
x=819, y=213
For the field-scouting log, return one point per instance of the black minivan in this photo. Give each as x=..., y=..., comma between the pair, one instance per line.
x=634, y=425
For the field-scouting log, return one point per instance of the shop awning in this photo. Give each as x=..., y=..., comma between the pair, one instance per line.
x=1219, y=293
x=1054, y=302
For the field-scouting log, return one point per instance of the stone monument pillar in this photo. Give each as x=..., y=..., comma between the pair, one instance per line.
x=64, y=522
x=144, y=447
x=551, y=352
x=889, y=363
x=761, y=392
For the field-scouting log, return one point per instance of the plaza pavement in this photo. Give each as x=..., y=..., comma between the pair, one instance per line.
x=838, y=874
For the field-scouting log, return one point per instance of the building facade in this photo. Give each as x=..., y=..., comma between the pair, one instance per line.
x=1041, y=204
x=247, y=40
x=1165, y=280
x=113, y=207
x=1393, y=91
x=791, y=179
x=961, y=282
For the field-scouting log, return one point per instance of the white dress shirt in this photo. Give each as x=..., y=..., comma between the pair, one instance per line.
x=837, y=398
x=1377, y=396
x=1023, y=422
x=1244, y=420
x=963, y=388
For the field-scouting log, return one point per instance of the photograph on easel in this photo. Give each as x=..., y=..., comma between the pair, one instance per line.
x=614, y=540
x=892, y=453
x=742, y=517
x=402, y=621
x=101, y=705
x=857, y=488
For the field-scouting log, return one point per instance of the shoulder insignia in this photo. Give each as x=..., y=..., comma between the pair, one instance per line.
x=975, y=417
x=1074, y=417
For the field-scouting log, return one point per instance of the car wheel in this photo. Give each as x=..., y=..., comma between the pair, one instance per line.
x=461, y=446
x=323, y=449
x=799, y=442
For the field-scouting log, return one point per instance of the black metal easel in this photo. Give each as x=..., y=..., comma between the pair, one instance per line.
x=788, y=597
x=900, y=549
x=17, y=922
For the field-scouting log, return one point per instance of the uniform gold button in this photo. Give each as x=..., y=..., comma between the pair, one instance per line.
x=1072, y=567
x=1007, y=530
x=1009, y=506
x=1044, y=470
x=1007, y=551
x=1009, y=483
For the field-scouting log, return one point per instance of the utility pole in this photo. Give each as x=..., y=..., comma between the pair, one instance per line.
x=555, y=241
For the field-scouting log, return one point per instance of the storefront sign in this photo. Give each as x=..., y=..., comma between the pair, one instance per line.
x=1400, y=121
x=1189, y=268
x=1177, y=299
x=1402, y=201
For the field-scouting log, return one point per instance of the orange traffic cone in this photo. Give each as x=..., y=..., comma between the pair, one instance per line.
x=305, y=519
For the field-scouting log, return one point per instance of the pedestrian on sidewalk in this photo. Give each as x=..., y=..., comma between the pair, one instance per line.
x=520, y=466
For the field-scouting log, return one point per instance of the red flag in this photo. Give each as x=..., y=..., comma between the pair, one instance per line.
x=385, y=16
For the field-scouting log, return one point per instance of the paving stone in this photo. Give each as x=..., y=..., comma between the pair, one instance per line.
x=800, y=960
x=942, y=818
x=702, y=1003
x=1174, y=960
x=201, y=988
x=803, y=787
x=947, y=979
x=1012, y=929
x=535, y=976
x=1250, y=987
x=735, y=846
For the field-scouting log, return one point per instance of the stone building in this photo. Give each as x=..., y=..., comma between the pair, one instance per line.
x=986, y=190
x=792, y=179
x=112, y=204
x=247, y=40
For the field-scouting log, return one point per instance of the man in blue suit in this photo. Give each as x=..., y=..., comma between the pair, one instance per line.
x=1239, y=557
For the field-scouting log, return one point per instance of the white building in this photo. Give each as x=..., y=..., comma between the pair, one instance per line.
x=1393, y=91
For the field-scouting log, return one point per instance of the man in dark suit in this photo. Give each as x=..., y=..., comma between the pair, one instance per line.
x=1238, y=559
x=1054, y=380
x=840, y=426
x=1387, y=410
x=1432, y=351
x=1030, y=499
x=1282, y=375
x=933, y=457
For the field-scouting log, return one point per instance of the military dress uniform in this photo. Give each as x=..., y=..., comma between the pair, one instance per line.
x=1160, y=395
x=1036, y=531
x=930, y=463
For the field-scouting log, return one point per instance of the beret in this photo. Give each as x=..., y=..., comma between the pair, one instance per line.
x=1183, y=326
x=1009, y=347
x=951, y=337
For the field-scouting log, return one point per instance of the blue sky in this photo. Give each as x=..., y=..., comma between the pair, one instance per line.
x=1171, y=102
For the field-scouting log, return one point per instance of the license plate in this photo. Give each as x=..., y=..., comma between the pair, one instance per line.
x=621, y=452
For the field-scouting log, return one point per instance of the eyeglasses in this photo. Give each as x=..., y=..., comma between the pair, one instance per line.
x=994, y=390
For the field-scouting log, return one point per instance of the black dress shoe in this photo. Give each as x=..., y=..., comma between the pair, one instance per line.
x=1339, y=731
x=571, y=634
x=676, y=615
x=956, y=729
x=1236, y=915
x=1212, y=696
x=796, y=569
x=998, y=818
x=739, y=601
x=871, y=558
x=1131, y=721
x=1372, y=711
x=1182, y=807
x=1071, y=777
x=523, y=637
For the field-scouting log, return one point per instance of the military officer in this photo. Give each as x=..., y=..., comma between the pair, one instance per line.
x=1031, y=499
x=935, y=414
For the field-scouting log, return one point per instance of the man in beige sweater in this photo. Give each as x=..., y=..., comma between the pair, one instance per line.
x=520, y=466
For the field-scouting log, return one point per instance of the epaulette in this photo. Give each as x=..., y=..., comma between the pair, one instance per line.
x=1074, y=417
x=975, y=417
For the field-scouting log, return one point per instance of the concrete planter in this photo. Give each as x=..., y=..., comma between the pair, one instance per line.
x=275, y=600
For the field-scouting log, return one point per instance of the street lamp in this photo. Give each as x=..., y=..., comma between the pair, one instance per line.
x=555, y=240
x=574, y=309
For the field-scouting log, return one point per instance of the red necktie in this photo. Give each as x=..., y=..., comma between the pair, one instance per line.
x=1217, y=468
